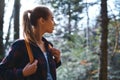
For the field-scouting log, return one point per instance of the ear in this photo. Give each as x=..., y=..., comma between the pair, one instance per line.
x=41, y=20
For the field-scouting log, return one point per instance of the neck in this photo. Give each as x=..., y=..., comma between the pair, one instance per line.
x=38, y=35
x=40, y=41
x=41, y=45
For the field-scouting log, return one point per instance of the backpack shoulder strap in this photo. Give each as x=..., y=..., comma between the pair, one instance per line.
x=31, y=58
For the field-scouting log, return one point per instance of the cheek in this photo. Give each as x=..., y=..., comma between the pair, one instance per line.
x=51, y=24
x=50, y=28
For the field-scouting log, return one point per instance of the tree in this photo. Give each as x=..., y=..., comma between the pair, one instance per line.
x=117, y=4
x=16, y=18
x=67, y=12
x=104, y=45
x=2, y=5
x=13, y=23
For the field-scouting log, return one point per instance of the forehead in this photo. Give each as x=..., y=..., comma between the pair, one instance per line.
x=50, y=14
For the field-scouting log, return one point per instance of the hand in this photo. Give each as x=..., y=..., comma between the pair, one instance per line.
x=30, y=69
x=55, y=52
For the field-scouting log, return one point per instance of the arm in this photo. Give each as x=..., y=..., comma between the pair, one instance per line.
x=8, y=68
x=16, y=64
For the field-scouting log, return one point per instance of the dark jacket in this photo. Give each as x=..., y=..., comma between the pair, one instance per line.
x=12, y=65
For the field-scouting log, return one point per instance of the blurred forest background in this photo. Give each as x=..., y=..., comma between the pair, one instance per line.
x=86, y=32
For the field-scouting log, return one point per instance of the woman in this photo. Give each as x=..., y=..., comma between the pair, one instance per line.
x=16, y=65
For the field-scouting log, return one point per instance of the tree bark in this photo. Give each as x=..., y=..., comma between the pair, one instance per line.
x=2, y=5
x=16, y=18
x=104, y=45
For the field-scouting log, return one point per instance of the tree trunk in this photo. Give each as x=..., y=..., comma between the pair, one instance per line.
x=103, y=46
x=16, y=18
x=2, y=5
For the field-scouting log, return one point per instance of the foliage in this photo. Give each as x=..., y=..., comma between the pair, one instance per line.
x=113, y=56
x=80, y=60
x=77, y=63
x=117, y=4
x=67, y=14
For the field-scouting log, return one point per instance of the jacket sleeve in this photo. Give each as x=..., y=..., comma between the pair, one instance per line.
x=58, y=64
x=8, y=69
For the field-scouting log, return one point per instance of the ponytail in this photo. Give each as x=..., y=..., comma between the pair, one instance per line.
x=30, y=22
x=27, y=27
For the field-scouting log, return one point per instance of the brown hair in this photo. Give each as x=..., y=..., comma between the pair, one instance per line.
x=30, y=18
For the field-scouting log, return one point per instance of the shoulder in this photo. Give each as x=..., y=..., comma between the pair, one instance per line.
x=18, y=43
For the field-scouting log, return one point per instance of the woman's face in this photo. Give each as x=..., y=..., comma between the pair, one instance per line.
x=46, y=25
x=49, y=23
